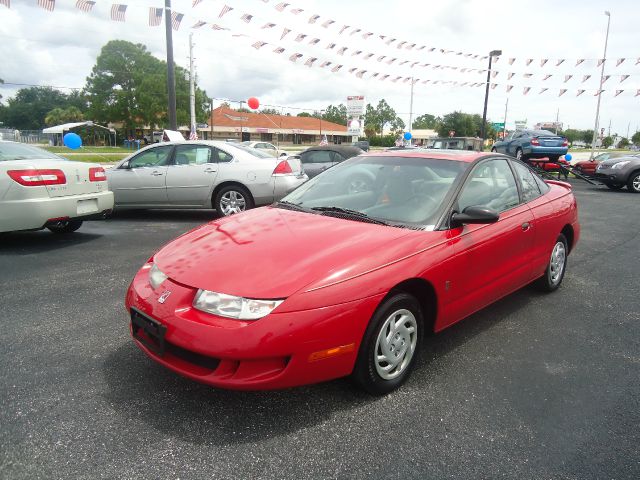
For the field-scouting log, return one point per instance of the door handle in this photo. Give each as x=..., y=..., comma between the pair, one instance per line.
x=209, y=170
x=157, y=174
x=526, y=226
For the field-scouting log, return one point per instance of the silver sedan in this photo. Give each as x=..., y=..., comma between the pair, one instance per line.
x=202, y=174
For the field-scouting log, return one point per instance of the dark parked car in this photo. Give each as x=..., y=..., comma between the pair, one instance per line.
x=615, y=173
x=526, y=144
x=363, y=144
x=316, y=160
x=589, y=166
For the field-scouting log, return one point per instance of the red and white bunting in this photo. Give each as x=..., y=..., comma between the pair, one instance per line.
x=278, y=50
x=344, y=27
x=543, y=61
x=6, y=3
x=620, y=60
x=494, y=74
x=580, y=60
x=118, y=12
x=567, y=78
x=605, y=78
x=218, y=27
x=585, y=78
x=526, y=90
x=355, y=31
x=598, y=92
x=580, y=92
x=618, y=92
x=331, y=46
x=259, y=45
x=623, y=78
x=328, y=23
x=336, y=68
x=268, y=25
x=342, y=50
x=246, y=18
x=195, y=3
x=381, y=57
x=300, y=37
x=85, y=5
x=529, y=60
x=637, y=92
x=325, y=64
x=510, y=76
x=226, y=9
x=546, y=77
x=399, y=46
x=358, y=52
x=493, y=86
x=542, y=90
x=562, y=92
x=295, y=57
x=351, y=70
x=176, y=19
x=390, y=41
x=509, y=88
x=384, y=77
x=601, y=61
x=281, y=6
x=284, y=33
x=314, y=41
x=559, y=62
x=155, y=16
x=310, y=61
x=297, y=11
x=199, y=24
x=47, y=4
x=313, y=18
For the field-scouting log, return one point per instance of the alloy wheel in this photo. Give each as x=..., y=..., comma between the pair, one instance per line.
x=557, y=263
x=396, y=344
x=232, y=202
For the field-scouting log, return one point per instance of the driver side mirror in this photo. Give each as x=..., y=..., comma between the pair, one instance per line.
x=125, y=165
x=474, y=214
x=283, y=154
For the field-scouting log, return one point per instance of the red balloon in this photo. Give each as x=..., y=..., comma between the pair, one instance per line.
x=253, y=103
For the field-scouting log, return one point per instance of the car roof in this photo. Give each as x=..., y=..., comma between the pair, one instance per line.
x=336, y=148
x=468, y=156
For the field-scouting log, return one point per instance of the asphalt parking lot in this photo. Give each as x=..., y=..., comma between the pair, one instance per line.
x=534, y=387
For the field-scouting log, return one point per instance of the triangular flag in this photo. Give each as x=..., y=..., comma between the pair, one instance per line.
x=547, y=76
x=567, y=78
x=598, y=92
x=284, y=33
x=493, y=86
x=493, y=74
x=543, y=61
x=562, y=92
x=580, y=92
x=579, y=61
x=511, y=60
x=620, y=60
x=526, y=90
x=601, y=61
x=623, y=78
x=559, y=62
x=314, y=18
x=585, y=78
x=605, y=78
x=226, y=9
x=542, y=90
x=529, y=60
x=509, y=87
x=344, y=27
x=269, y=25
x=618, y=92
x=511, y=74
x=328, y=23
x=638, y=91
x=310, y=61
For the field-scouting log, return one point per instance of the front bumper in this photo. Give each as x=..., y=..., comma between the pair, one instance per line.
x=34, y=213
x=610, y=175
x=270, y=353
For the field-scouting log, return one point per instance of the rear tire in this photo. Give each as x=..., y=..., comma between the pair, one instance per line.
x=634, y=182
x=615, y=186
x=390, y=345
x=519, y=154
x=232, y=199
x=65, y=226
x=557, y=266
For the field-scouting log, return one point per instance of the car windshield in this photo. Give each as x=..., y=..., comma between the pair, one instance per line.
x=543, y=133
x=253, y=151
x=397, y=190
x=20, y=151
x=247, y=144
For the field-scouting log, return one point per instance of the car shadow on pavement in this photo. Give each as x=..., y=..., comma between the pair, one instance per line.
x=201, y=216
x=140, y=389
x=26, y=243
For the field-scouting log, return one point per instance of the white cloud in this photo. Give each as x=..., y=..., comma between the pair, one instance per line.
x=60, y=48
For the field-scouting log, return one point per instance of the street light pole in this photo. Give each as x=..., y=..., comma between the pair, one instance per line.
x=493, y=53
x=171, y=81
x=604, y=61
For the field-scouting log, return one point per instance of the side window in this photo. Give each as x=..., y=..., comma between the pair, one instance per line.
x=154, y=157
x=268, y=146
x=320, y=156
x=337, y=157
x=220, y=155
x=530, y=189
x=491, y=184
x=192, y=155
x=261, y=145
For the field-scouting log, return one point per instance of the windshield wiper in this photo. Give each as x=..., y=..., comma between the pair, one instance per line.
x=352, y=213
x=291, y=206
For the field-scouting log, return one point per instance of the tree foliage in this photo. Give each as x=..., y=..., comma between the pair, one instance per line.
x=270, y=111
x=607, y=142
x=635, y=138
x=426, y=121
x=58, y=116
x=129, y=85
x=376, y=119
x=29, y=107
x=336, y=114
x=464, y=125
x=623, y=143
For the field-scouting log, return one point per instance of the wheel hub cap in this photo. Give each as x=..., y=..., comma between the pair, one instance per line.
x=232, y=202
x=558, y=259
x=396, y=343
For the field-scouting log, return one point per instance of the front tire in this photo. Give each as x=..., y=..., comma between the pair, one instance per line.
x=494, y=150
x=65, y=226
x=554, y=274
x=390, y=345
x=232, y=199
x=634, y=182
x=519, y=155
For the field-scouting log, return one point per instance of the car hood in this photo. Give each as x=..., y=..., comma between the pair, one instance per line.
x=270, y=252
x=612, y=161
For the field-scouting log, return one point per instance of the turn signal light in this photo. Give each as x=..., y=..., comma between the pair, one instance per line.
x=331, y=352
x=97, y=174
x=38, y=177
x=283, y=168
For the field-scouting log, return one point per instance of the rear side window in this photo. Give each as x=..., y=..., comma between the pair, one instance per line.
x=321, y=156
x=530, y=188
x=220, y=155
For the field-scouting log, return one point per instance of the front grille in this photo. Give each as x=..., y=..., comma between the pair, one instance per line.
x=198, y=359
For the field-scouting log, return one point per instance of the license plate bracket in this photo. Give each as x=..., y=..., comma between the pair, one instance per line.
x=153, y=330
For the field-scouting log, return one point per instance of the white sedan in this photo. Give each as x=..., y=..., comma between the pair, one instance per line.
x=265, y=147
x=41, y=190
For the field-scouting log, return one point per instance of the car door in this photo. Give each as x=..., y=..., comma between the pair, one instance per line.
x=142, y=180
x=191, y=175
x=491, y=260
x=513, y=144
x=502, y=147
x=316, y=161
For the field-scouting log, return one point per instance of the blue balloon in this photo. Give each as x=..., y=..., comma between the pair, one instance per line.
x=407, y=135
x=72, y=141
x=568, y=157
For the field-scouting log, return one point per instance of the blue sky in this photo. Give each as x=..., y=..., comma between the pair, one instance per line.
x=59, y=48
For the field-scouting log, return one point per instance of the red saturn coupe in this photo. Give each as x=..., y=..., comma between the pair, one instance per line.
x=346, y=274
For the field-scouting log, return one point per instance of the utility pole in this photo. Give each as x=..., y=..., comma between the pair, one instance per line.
x=557, y=118
x=171, y=80
x=604, y=61
x=504, y=126
x=493, y=53
x=411, y=108
x=609, y=134
x=192, y=89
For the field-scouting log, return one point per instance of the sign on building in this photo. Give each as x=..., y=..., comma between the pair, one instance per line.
x=521, y=124
x=354, y=127
x=355, y=106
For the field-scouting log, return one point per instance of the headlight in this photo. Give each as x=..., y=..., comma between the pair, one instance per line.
x=619, y=165
x=233, y=307
x=156, y=277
